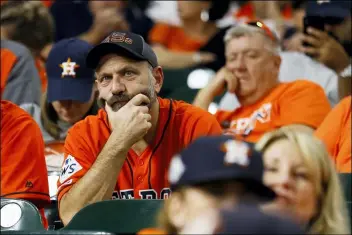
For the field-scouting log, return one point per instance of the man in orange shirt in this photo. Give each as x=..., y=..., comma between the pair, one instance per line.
x=335, y=132
x=23, y=169
x=124, y=151
x=251, y=73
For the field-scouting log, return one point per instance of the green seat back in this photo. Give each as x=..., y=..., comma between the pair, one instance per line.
x=173, y=79
x=345, y=179
x=116, y=216
x=21, y=215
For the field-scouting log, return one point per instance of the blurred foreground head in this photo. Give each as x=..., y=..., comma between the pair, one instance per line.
x=212, y=172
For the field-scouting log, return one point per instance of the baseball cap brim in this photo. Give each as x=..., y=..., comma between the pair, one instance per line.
x=266, y=193
x=69, y=89
x=103, y=49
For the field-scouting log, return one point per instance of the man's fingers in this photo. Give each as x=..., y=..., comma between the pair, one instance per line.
x=147, y=117
x=139, y=100
x=317, y=33
x=310, y=50
x=315, y=42
x=143, y=109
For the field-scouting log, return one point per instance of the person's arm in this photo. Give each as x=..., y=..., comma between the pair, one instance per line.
x=177, y=60
x=223, y=80
x=103, y=174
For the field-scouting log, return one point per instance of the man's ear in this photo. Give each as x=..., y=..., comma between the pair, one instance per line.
x=158, y=75
x=277, y=61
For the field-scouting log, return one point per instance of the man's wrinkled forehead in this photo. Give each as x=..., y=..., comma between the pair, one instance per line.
x=245, y=43
x=118, y=60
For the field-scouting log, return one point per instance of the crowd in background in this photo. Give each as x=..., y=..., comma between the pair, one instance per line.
x=281, y=89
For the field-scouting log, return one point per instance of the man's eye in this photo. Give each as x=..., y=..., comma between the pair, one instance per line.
x=129, y=73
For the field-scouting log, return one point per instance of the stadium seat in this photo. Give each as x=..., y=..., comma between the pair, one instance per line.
x=52, y=215
x=116, y=216
x=17, y=215
x=173, y=79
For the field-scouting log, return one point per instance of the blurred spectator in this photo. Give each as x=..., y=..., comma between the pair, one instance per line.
x=92, y=21
x=298, y=168
x=295, y=66
x=251, y=72
x=211, y=173
x=30, y=23
x=243, y=219
x=70, y=97
x=292, y=38
x=197, y=42
x=332, y=47
x=335, y=132
x=23, y=171
x=20, y=82
x=127, y=147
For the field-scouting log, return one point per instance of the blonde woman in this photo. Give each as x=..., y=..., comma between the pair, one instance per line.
x=299, y=170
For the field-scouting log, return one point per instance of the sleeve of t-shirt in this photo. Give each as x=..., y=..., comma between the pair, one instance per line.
x=23, y=169
x=159, y=34
x=202, y=124
x=77, y=160
x=23, y=82
x=304, y=103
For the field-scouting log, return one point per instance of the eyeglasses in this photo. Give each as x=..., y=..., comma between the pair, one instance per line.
x=262, y=26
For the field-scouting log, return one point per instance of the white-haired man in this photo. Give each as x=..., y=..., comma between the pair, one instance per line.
x=251, y=73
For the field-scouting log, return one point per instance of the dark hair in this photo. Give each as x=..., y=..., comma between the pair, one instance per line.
x=218, y=9
x=298, y=4
x=28, y=22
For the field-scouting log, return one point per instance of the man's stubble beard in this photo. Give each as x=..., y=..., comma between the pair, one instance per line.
x=125, y=98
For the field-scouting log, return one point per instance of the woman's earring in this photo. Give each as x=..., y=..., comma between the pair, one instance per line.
x=204, y=15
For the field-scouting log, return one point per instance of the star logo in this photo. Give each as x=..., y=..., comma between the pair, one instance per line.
x=68, y=68
x=236, y=152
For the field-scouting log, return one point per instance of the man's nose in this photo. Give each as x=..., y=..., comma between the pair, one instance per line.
x=117, y=86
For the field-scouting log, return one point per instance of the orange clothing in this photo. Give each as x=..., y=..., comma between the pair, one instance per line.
x=148, y=231
x=247, y=11
x=8, y=60
x=23, y=169
x=173, y=38
x=335, y=132
x=40, y=65
x=297, y=102
x=144, y=176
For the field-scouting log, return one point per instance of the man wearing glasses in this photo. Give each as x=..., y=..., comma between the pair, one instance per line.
x=251, y=73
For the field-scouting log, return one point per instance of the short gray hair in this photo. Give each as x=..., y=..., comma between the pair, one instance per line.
x=248, y=30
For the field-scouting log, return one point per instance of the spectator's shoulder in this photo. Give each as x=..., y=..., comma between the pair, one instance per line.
x=12, y=115
x=189, y=111
x=18, y=49
x=304, y=85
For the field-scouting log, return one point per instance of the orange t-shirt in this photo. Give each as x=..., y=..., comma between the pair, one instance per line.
x=335, y=132
x=297, y=102
x=173, y=38
x=23, y=169
x=144, y=176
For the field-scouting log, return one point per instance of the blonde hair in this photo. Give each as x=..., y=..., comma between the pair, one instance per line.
x=248, y=30
x=332, y=217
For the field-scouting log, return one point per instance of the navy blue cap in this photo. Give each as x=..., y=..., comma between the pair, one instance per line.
x=125, y=44
x=248, y=219
x=68, y=76
x=329, y=8
x=216, y=158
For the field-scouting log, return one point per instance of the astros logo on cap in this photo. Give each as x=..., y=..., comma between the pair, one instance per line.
x=68, y=68
x=236, y=152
